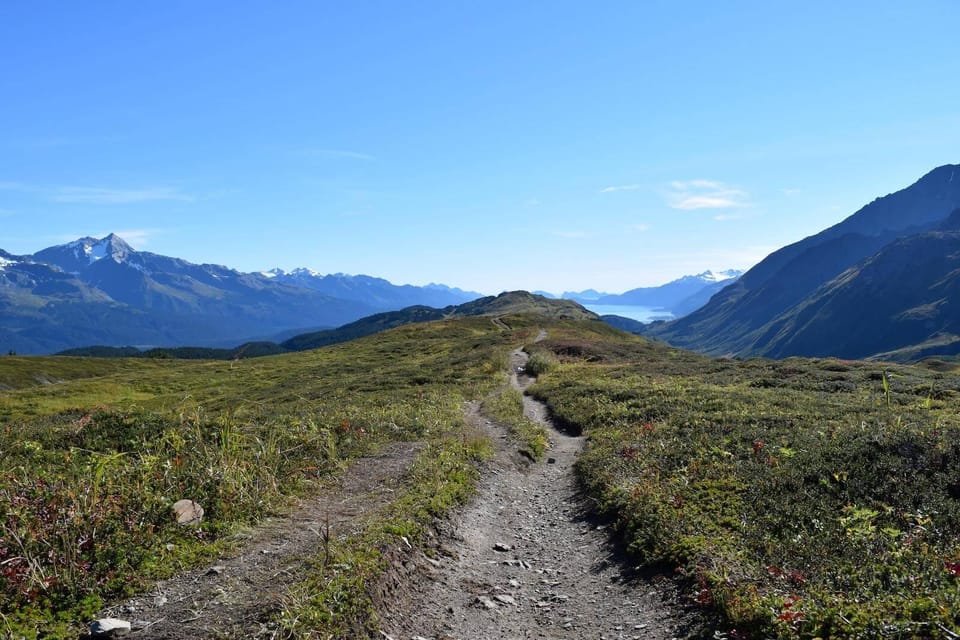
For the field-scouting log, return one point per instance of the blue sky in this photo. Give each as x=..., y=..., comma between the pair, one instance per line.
x=488, y=145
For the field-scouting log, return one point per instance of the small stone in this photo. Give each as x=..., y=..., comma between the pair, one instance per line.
x=187, y=512
x=514, y=583
x=486, y=602
x=109, y=628
x=159, y=601
x=216, y=570
x=505, y=599
x=551, y=461
x=502, y=547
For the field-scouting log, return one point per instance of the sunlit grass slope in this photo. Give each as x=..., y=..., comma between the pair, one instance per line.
x=92, y=462
x=801, y=498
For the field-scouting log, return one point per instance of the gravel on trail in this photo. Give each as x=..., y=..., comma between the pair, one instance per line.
x=525, y=559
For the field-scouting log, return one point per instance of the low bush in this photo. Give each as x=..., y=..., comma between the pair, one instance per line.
x=802, y=499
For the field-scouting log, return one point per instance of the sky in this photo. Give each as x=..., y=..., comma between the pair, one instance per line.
x=540, y=145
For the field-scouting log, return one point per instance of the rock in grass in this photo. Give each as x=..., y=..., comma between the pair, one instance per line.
x=187, y=512
x=109, y=628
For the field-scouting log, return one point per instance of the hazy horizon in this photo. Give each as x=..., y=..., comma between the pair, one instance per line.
x=541, y=146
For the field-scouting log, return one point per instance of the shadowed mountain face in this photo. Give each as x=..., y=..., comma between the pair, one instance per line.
x=769, y=310
x=102, y=291
x=900, y=302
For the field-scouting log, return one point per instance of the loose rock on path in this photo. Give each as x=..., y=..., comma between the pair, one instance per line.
x=526, y=561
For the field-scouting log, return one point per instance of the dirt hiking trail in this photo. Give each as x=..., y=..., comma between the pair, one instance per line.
x=525, y=559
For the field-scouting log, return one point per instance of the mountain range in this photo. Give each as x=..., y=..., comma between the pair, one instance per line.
x=881, y=283
x=102, y=291
x=679, y=297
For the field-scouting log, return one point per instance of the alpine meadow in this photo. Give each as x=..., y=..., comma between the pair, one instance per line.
x=480, y=320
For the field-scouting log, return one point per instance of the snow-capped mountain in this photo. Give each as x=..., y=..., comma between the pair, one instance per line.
x=376, y=292
x=77, y=256
x=717, y=276
x=102, y=291
x=7, y=259
x=680, y=296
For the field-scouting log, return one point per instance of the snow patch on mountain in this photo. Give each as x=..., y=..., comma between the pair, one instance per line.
x=93, y=250
x=303, y=271
x=718, y=276
x=96, y=252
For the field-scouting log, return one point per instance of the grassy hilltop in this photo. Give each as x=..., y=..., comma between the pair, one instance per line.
x=799, y=498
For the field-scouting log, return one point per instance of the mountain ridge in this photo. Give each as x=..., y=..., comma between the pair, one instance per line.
x=748, y=316
x=102, y=291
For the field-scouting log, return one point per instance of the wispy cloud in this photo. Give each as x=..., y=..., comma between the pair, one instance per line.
x=686, y=185
x=621, y=187
x=334, y=153
x=100, y=195
x=138, y=238
x=690, y=195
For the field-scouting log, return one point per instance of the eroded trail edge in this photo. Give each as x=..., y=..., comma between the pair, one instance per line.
x=525, y=560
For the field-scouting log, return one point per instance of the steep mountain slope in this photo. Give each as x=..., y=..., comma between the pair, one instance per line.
x=902, y=299
x=735, y=320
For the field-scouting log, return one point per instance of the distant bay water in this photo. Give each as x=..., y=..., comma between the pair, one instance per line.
x=641, y=314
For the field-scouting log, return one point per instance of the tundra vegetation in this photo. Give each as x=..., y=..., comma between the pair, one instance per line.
x=798, y=498
x=95, y=452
